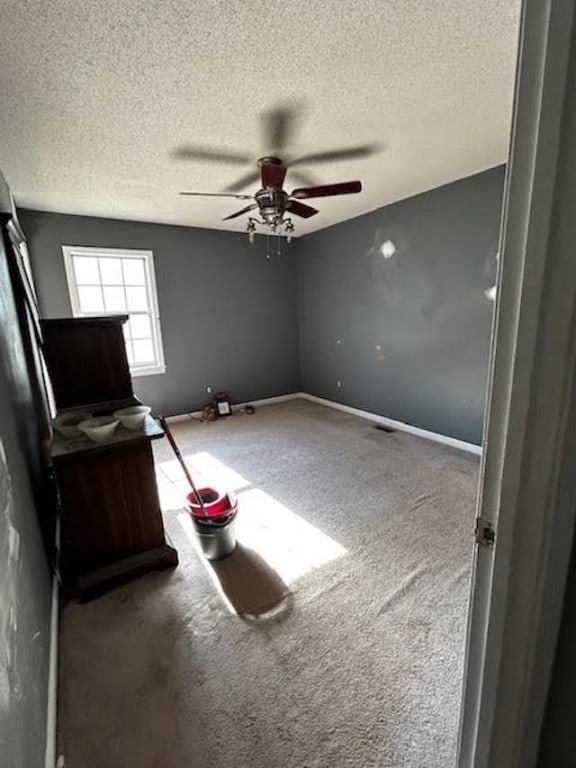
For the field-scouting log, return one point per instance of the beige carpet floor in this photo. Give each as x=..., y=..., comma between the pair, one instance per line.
x=332, y=638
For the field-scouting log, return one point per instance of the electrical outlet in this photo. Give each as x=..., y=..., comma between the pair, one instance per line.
x=209, y=390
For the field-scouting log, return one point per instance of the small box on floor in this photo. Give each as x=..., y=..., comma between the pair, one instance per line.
x=222, y=404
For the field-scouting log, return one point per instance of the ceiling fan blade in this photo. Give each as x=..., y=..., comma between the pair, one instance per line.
x=217, y=194
x=239, y=213
x=278, y=127
x=213, y=154
x=244, y=181
x=273, y=172
x=301, y=177
x=299, y=209
x=334, y=155
x=328, y=190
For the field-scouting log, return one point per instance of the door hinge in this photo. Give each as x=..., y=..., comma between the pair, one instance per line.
x=484, y=533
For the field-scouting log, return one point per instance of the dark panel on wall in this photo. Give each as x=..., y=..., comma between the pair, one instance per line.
x=558, y=739
x=228, y=313
x=393, y=305
x=24, y=574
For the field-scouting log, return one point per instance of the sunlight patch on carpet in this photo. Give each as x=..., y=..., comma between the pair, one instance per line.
x=288, y=543
x=206, y=469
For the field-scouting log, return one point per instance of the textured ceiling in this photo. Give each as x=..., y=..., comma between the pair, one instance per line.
x=97, y=95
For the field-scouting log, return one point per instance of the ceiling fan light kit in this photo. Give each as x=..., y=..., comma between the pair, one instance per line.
x=285, y=224
x=273, y=203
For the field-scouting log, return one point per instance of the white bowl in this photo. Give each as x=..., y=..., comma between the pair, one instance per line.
x=66, y=424
x=99, y=429
x=133, y=417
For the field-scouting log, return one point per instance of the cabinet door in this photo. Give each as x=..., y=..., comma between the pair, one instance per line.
x=110, y=507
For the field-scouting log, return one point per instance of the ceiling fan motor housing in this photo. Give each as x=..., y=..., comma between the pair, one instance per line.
x=269, y=160
x=272, y=204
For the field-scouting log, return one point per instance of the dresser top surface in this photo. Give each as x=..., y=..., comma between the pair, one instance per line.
x=62, y=447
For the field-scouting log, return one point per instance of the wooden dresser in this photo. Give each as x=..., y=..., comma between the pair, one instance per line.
x=111, y=524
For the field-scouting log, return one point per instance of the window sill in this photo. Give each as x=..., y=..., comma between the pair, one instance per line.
x=150, y=370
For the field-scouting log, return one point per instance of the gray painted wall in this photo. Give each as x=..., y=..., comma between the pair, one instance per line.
x=407, y=336
x=228, y=313
x=24, y=574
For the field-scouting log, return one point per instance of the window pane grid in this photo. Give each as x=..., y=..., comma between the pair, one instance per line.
x=110, y=284
x=111, y=270
x=85, y=270
x=140, y=339
x=125, y=297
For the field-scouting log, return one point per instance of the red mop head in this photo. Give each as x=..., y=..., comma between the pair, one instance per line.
x=217, y=506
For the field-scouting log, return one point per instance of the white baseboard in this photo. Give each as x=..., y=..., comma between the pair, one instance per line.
x=268, y=400
x=52, y=709
x=384, y=420
x=237, y=406
x=183, y=417
x=399, y=425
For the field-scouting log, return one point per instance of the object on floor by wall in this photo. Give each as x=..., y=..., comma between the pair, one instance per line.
x=112, y=527
x=223, y=404
x=249, y=409
x=209, y=413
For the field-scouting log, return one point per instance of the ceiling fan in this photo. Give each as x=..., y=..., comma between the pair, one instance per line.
x=272, y=202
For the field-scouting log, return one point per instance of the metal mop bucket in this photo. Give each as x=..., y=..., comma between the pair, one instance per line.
x=213, y=514
x=214, y=522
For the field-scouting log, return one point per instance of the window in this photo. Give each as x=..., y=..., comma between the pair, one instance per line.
x=106, y=281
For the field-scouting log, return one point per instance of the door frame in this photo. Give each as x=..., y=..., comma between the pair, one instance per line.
x=528, y=472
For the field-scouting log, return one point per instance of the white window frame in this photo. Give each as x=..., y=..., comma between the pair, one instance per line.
x=69, y=251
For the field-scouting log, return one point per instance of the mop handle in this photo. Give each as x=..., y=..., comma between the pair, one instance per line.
x=180, y=458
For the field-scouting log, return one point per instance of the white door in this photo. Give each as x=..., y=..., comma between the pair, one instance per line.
x=528, y=476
